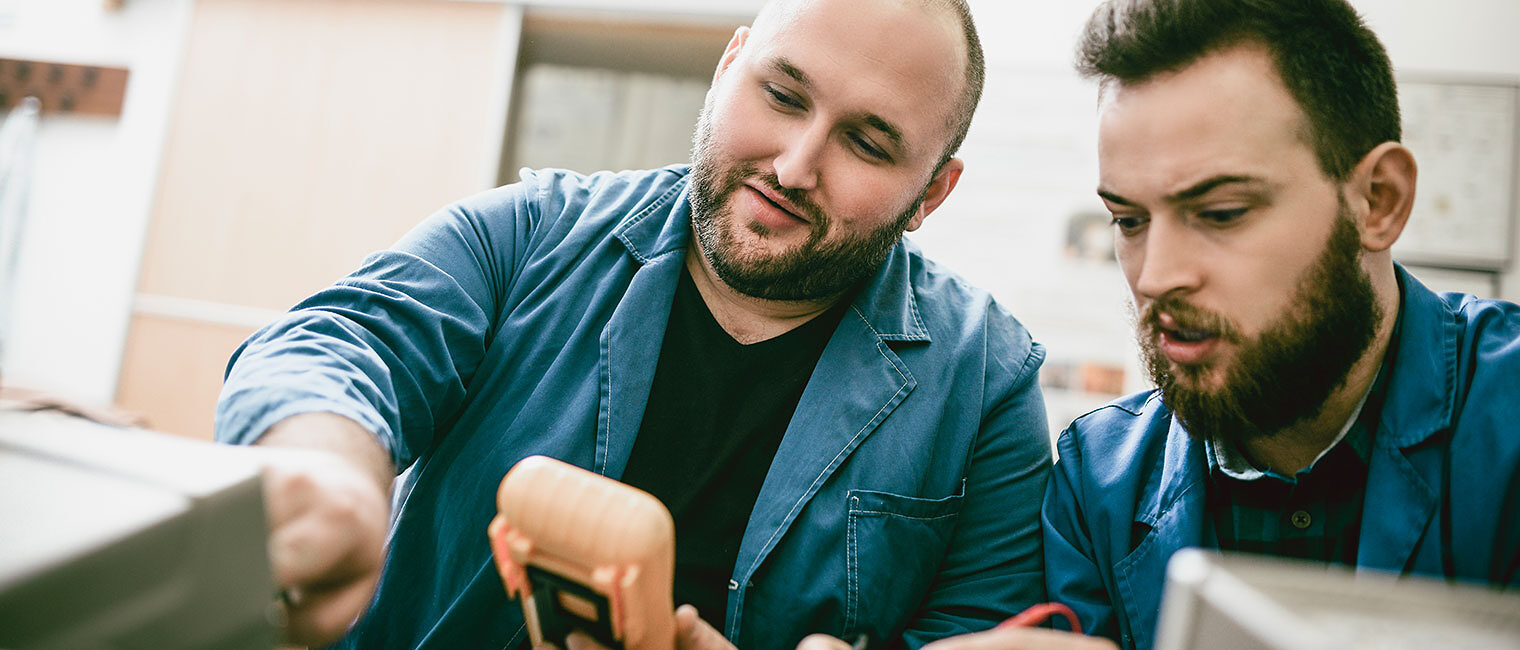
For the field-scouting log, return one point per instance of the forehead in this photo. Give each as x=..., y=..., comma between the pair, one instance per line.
x=904, y=60
x=1227, y=113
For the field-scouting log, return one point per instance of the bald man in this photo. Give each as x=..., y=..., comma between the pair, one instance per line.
x=851, y=439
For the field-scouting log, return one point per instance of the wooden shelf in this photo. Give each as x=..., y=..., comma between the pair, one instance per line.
x=63, y=87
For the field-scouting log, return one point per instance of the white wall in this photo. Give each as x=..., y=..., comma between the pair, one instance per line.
x=92, y=189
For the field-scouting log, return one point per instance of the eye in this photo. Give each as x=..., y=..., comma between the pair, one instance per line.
x=782, y=98
x=1222, y=217
x=1130, y=226
x=868, y=148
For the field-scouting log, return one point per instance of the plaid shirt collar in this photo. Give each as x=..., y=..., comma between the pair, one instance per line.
x=1225, y=458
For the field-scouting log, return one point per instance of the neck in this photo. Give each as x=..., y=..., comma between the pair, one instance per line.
x=746, y=318
x=1294, y=448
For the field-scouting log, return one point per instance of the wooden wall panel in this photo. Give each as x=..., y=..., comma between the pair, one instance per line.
x=171, y=372
x=308, y=133
x=305, y=134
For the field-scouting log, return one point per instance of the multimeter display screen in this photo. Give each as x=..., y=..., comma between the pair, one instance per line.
x=565, y=606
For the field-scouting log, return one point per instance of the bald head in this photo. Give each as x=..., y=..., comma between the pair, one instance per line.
x=777, y=15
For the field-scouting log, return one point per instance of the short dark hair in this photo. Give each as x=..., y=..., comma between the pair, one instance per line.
x=1330, y=62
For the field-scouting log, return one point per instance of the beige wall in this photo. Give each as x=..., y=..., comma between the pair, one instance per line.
x=172, y=368
x=305, y=134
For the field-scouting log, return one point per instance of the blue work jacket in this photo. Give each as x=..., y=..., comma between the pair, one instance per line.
x=1443, y=484
x=903, y=501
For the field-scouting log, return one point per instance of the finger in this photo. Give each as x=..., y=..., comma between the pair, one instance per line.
x=693, y=633
x=302, y=553
x=321, y=617
x=288, y=492
x=997, y=639
x=822, y=642
x=1022, y=638
x=324, y=533
x=686, y=617
x=579, y=640
x=296, y=480
x=1039, y=638
x=320, y=551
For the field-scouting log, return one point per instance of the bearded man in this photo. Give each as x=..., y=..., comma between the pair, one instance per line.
x=1314, y=400
x=851, y=440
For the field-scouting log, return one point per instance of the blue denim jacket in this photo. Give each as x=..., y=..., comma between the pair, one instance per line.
x=1443, y=484
x=903, y=501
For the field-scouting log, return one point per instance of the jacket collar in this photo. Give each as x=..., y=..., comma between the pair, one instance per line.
x=1172, y=507
x=1182, y=466
x=663, y=226
x=1404, y=477
x=1422, y=388
x=887, y=302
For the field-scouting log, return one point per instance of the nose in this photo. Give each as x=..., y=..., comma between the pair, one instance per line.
x=1169, y=260
x=797, y=166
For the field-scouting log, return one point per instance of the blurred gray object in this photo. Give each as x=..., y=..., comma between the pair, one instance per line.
x=123, y=538
x=18, y=137
x=1249, y=602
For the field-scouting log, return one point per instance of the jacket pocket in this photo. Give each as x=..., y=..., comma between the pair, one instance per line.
x=893, y=545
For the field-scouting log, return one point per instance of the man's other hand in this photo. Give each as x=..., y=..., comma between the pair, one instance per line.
x=1021, y=638
x=328, y=512
x=692, y=633
x=822, y=642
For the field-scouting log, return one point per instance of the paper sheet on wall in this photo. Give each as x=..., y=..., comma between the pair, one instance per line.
x=1464, y=140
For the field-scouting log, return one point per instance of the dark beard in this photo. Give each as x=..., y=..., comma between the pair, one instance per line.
x=811, y=271
x=1287, y=374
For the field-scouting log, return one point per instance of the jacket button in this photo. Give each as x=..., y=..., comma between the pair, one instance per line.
x=1300, y=519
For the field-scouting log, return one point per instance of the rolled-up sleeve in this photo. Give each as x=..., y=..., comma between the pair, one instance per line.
x=393, y=345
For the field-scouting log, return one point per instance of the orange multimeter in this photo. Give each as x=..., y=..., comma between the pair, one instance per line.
x=584, y=552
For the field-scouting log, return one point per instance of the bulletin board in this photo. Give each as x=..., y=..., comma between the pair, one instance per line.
x=1463, y=135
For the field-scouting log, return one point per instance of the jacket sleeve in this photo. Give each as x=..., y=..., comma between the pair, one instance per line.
x=992, y=568
x=1073, y=575
x=393, y=345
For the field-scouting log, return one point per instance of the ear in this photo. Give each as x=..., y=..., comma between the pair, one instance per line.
x=938, y=191
x=1384, y=180
x=731, y=53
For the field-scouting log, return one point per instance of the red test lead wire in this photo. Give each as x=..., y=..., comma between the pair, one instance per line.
x=1038, y=613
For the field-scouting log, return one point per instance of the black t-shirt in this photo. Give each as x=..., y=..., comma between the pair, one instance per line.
x=715, y=417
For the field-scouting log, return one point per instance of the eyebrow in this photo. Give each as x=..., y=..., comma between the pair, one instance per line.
x=784, y=66
x=1196, y=190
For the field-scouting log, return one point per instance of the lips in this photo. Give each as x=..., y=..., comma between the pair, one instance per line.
x=1184, y=345
x=1189, y=336
x=777, y=200
x=771, y=210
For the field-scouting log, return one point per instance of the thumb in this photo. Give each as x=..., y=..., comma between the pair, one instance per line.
x=693, y=633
